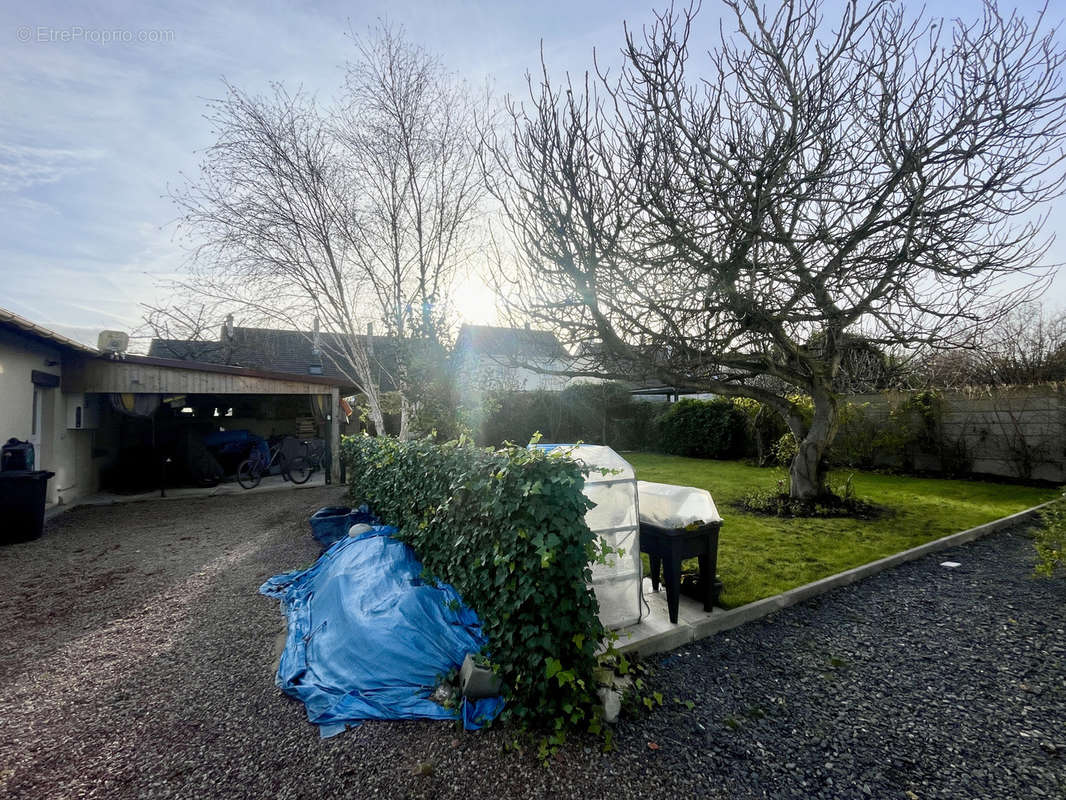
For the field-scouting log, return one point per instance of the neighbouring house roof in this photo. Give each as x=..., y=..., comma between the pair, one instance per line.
x=13, y=321
x=513, y=344
x=280, y=351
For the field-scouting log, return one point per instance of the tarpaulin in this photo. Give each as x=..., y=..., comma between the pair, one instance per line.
x=238, y=442
x=369, y=639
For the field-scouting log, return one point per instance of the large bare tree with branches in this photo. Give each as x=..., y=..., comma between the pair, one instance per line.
x=727, y=222
x=357, y=215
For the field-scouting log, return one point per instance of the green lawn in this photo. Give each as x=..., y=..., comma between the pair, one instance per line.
x=761, y=556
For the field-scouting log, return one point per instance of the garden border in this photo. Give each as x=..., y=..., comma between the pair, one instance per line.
x=661, y=638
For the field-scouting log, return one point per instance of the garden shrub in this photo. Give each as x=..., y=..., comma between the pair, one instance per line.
x=599, y=413
x=507, y=530
x=764, y=429
x=857, y=440
x=839, y=501
x=913, y=427
x=916, y=427
x=703, y=429
x=512, y=416
x=1051, y=538
x=785, y=449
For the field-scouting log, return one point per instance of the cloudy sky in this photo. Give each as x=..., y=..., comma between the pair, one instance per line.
x=102, y=112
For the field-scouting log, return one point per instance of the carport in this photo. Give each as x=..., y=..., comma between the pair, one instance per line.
x=140, y=406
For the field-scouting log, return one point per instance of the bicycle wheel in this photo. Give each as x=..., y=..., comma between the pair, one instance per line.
x=248, y=474
x=299, y=470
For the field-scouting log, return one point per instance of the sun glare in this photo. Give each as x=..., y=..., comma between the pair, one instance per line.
x=475, y=302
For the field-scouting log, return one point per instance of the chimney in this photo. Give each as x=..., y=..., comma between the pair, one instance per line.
x=227, y=339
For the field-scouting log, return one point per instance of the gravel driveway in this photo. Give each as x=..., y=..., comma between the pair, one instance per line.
x=138, y=664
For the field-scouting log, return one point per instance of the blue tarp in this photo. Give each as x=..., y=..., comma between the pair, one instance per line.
x=239, y=442
x=369, y=639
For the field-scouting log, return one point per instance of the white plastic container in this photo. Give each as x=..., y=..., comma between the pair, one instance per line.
x=612, y=485
x=670, y=506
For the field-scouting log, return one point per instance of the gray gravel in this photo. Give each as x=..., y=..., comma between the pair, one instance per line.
x=924, y=681
x=138, y=665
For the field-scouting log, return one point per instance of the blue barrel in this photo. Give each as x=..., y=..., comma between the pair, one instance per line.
x=330, y=524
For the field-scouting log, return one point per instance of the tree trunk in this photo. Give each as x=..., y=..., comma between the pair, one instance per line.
x=756, y=430
x=377, y=419
x=807, y=473
x=406, y=412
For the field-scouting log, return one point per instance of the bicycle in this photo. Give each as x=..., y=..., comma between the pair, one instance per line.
x=315, y=454
x=252, y=469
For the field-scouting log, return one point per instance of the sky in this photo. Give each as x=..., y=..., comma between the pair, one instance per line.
x=102, y=114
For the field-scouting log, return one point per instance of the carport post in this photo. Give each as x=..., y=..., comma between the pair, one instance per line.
x=335, y=434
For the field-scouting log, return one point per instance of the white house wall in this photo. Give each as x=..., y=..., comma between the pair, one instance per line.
x=481, y=373
x=67, y=453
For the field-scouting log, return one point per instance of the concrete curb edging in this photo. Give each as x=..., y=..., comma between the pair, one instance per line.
x=683, y=633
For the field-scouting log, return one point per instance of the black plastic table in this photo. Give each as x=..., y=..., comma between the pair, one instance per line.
x=668, y=547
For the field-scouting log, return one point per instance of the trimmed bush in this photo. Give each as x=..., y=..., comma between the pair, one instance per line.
x=507, y=530
x=703, y=429
x=597, y=413
x=516, y=416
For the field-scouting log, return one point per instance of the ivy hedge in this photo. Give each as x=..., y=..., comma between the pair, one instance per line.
x=507, y=529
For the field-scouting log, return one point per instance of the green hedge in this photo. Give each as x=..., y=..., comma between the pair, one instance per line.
x=507, y=530
x=703, y=429
x=600, y=413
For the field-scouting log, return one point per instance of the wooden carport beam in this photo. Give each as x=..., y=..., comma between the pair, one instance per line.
x=335, y=434
x=140, y=375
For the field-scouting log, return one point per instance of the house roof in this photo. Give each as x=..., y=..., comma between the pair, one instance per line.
x=279, y=351
x=513, y=343
x=10, y=319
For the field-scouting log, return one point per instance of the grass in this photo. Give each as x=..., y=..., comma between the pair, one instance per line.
x=761, y=556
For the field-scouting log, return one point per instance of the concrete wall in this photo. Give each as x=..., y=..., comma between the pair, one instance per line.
x=1012, y=432
x=67, y=453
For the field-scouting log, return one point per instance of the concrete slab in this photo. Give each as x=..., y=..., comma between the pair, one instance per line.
x=271, y=483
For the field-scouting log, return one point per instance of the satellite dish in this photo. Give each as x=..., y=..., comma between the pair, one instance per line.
x=113, y=341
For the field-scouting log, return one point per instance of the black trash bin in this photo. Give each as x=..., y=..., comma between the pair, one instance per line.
x=22, y=495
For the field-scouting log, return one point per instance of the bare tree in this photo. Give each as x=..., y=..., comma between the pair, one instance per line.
x=879, y=177
x=194, y=324
x=357, y=215
x=1026, y=346
x=407, y=127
